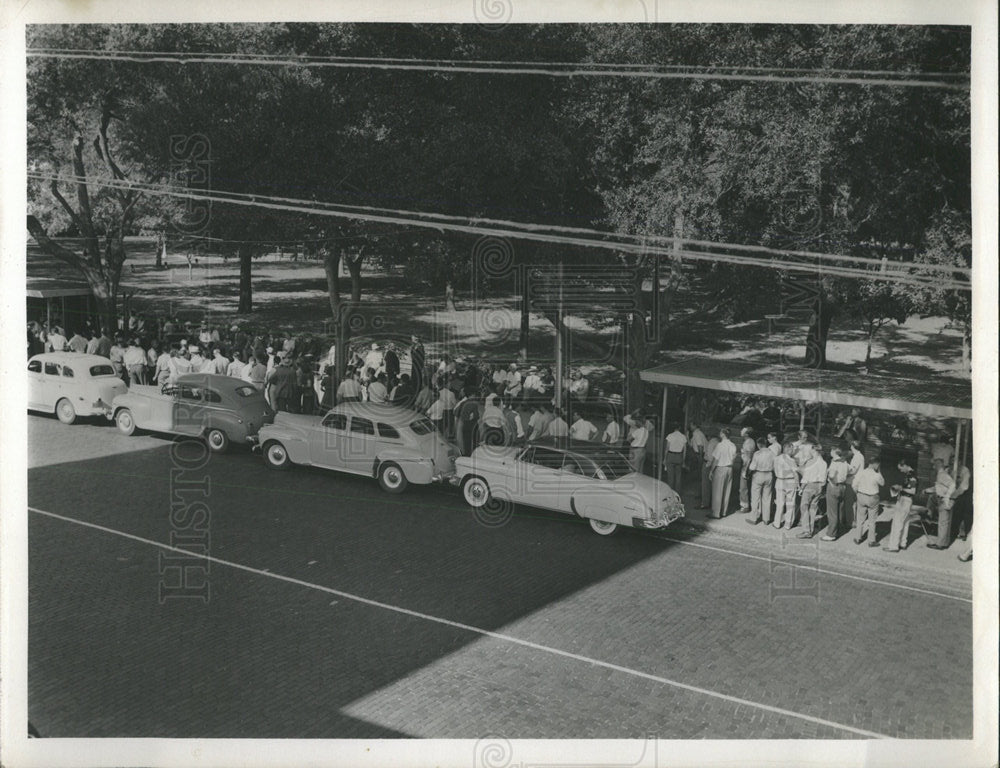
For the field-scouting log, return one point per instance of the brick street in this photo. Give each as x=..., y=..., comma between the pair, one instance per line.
x=621, y=636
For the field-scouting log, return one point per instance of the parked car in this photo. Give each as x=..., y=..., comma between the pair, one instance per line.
x=581, y=478
x=221, y=409
x=397, y=445
x=70, y=384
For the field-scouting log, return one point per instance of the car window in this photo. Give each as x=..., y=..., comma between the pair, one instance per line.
x=67, y=372
x=52, y=369
x=387, y=430
x=422, y=426
x=362, y=426
x=246, y=391
x=187, y=392
x=35, y=366
x=570, y=464
x=102, y=370
x=613, y=466
x=545, y=457
x=211, y=396
x=335, y=421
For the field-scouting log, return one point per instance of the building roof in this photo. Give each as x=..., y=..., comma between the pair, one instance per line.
x=52, y=288
x=928, y=396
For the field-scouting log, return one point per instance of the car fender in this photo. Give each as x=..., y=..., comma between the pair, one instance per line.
x=417, y=468
x=138, y=404
x=295, y=440
x=608, y=505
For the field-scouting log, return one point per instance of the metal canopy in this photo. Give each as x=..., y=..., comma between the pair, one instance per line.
x=53, y=288
x=946, y=399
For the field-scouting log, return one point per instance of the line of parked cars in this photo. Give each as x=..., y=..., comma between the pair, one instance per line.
x=396, y=446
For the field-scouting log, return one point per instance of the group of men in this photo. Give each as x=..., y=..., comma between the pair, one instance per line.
x=782, y=484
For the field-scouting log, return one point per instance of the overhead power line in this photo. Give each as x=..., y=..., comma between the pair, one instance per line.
x=944, y=80
x=888, y=271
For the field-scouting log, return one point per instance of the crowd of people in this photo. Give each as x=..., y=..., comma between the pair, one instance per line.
x=793, y=483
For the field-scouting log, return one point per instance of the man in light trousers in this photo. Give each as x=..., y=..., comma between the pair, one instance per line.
x=786, y=483
x=866, y=486
x=813, y=479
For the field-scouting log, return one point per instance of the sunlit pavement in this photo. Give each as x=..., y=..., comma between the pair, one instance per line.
x=334, y=610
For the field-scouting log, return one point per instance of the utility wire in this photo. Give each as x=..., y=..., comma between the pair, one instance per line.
x=547, y=69
x=476, y=227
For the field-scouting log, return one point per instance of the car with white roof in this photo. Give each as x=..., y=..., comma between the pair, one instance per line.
x=71, y=384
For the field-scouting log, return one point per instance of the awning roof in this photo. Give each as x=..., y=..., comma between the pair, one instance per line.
x=53, y=288
x=929, y=397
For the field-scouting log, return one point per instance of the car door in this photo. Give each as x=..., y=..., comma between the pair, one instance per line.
x=576, y=476
x=328, y=442
x=36, y=385
x=541, y=469
x=362, y=444
x=188, y=410
x=51, y=385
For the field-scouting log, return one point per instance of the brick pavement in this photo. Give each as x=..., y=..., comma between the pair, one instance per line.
x=270, y=659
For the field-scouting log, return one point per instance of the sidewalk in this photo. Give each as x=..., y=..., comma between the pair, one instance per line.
x=930, y=563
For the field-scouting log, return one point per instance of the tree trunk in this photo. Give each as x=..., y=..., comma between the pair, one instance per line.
x=341, y=329
x=525, y=321
x=246, y=282
x=635, y=359
x=161, y=246
x=816, y=336
x=868, y=350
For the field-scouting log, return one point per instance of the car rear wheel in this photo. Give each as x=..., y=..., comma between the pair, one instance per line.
x=391, y=478
x=65, y=411
x=476, y=492
x=276, y=455
x=125, y=421
x=218, y=441
x=603, y=528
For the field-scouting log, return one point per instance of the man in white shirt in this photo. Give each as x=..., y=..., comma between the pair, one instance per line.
x=377, y=391
x=697, y=443
x=135, y=363
x=814, y=471
x=539, y=422
x=558, y=426
x=786, y=481
x=942, y=499
x=675, y=451
x=721, y=473
x=747, y=449
x=866, y=485
x=196, y=360
x=774, y=444
x=57, y=342
x=220, y=363
x=349, y=390
x=579, y=387
x=374, y=358
x=513, y=381
x=163, y=367
x=236, y=368
x=582, y=429
x=638, y=436
x=705, y=499
x=532, y=385
x=855, y=463
x=612, y=432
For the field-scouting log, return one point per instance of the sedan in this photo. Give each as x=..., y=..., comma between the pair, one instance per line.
x=581, y=478
x=71, y=384
x=394, y=444
x=221, y=409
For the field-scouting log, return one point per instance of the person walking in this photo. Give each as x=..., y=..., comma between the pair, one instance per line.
x=721, y=473
x=786, y=482
x=903, y=492
x=813, y=479
x=674, y=454
x=866, y=485
x=761, y=472
x=836, y=481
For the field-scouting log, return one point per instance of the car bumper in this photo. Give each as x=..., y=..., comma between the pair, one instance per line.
x=663, y=522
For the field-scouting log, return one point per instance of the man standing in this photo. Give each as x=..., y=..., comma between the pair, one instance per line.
x=237, y=367
x=391, y=367
x=721, y=473
x=740, y=467
x=866, y=485
x=558, y=426
x=135, y=363
x=258, y=372
x=944, y=500
x=378, y=392
x=582, y=429
x=374, y=359
x=836, y=480
x=418, y=359
x=904, y=493
x=638, y=436
x=706, y=472
x=761, y=483
x=513, y=381
x=220, y=364
x=103, y=345
x=162, y=373
x=349, y=390
x=813, y=479
x=675, y=447
x=403, y=393
x=698, y=443
x=280, y=385
x=774, y=444
x=786, y=481
x=57, y=342
x=94, y=343
x=466, y=421
x=855, y=463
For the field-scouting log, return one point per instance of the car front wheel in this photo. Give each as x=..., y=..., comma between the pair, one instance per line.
x=476, y=492
x=218, y=441
x=391, y=478
x=603, y=528
x=125, y=421
x=65, y=411
x=276, y=456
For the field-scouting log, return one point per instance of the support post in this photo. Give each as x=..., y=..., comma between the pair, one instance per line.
x=802, y=416
x=662, y=433
x=958, y=448
x=559, y=339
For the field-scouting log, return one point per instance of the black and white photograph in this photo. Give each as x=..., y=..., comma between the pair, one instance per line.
x=499, y=385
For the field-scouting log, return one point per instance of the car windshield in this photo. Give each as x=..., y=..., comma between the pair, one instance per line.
x=102, y=370
x=613, y=465
x=422, y=426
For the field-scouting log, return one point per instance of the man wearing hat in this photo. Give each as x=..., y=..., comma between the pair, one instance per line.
x=904, y=491
x=374, y=359
x=514, y=386
x=532, y=386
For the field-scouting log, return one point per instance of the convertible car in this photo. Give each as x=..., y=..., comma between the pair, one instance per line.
x=71, y=384
x=581, y=478
x=221, y=409
x=394, y=444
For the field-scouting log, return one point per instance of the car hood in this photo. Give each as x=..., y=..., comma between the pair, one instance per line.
x=648, y=486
